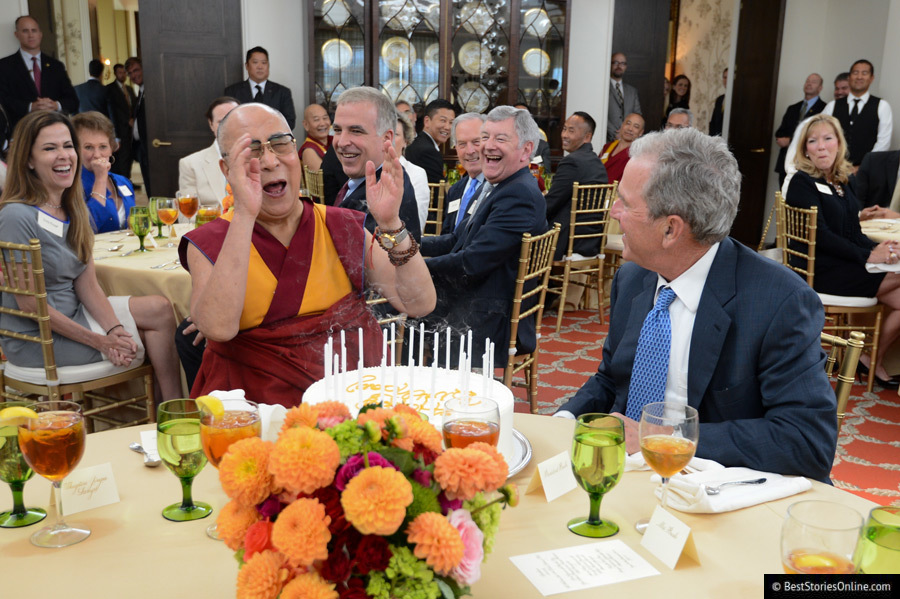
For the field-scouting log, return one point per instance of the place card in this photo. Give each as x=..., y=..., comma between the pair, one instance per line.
x=668, y=538
x=582, y=567
x=87, y=488
x=554, y=476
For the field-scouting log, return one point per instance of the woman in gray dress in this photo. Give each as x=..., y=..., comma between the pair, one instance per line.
x=42, y=199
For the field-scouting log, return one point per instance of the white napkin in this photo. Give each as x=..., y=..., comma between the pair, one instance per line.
x=686, y=493
x=148, y=442
x=272, y=416
x=882, y=267
x=636, y=461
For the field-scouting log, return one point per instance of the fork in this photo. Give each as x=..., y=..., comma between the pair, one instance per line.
x=163, y=264
x=716, y=489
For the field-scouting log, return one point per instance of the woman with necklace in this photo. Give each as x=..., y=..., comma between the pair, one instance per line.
x=842, y=250
x=42, y=200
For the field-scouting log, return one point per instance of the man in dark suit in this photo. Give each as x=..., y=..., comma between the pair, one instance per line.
x=810, y=105
x=623, y=98
x=91, y=93
x=333, y=176
x=258, y=88
x=743, y=343
x=31, y=80
x=363, y=121
x=139, y=143
x=581, y=165
x=121, y=99
x=466, y=137
x=717, y=119
x=876, y=180
x=474, y=267
x=425, y=150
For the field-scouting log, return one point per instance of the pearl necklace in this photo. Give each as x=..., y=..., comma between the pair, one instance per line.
x=57, y=206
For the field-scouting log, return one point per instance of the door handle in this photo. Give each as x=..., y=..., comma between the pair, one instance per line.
x=753, y=151
x=156, y=143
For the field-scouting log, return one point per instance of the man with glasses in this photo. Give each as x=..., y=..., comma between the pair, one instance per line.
x=305, y=266
x=680, y=118
x=623, y=98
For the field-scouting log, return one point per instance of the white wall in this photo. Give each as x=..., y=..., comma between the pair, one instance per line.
x=590, y=48
x=9, y=12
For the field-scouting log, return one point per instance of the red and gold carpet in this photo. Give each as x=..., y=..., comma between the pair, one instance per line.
x=868, y=456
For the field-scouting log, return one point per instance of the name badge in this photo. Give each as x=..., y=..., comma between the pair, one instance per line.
x=50, y=224
x=472, y=207
x=123, y=190
x=823, y=188
x=454, y=206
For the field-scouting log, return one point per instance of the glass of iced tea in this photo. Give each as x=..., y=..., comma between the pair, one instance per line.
x=878, y=549
x=15, y=472
x=207, y=214
x=179, y=446
x=471, y=420
x=598, y=460
x=187, y=204
x=818, y=537
x=53, y=444
x=668, y=433
x=167, y=210
x=240, y=420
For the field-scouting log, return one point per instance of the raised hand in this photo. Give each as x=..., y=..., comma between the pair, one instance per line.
x=243, y=174
x=100, y=167
x=385, y=195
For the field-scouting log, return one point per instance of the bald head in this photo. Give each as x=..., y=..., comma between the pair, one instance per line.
x=29, y=35
x=241, y=119
x=812, y=87
x=316, y=122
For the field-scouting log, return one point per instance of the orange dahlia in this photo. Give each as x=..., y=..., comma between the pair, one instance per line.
x=497, y=457
x=332, y=413
x=309, y=586
x=262, y=577
x=304, y=459
x=301, y=532
x=244, y=471
x=233, y=521
x=463, y=473
x=378, y=415
x=437, y=541
x=302, y=415
x=375, y=500
x=423, y=433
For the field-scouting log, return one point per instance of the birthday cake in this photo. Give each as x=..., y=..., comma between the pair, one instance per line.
x=424, y=388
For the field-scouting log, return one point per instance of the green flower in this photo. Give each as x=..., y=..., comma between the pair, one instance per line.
x=406, y=576
x=351, y=439
x=487, y=519
x=424, y=500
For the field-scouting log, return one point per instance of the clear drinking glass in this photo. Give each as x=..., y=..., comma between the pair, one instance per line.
x=878, y=549
x=207, y=214
x=53, y=444
x=598, y=460
x=818, y=537
x=15, y=472
x=179, y=446
x=139, y=219
x=188, y=204
x=471, y=420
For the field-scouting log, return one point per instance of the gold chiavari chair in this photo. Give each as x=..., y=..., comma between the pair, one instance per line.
x=314, y=184
x=851, y=348
x=435, y=218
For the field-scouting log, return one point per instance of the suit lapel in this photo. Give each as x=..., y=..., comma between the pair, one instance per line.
x=712, y=323
x=23, y=72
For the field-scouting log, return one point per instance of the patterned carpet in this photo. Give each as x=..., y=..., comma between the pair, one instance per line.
x=868, y=456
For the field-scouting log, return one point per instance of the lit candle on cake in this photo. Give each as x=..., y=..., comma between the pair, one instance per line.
x=337, y=379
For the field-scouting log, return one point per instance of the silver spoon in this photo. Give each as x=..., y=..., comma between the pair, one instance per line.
x=163, y=264
x=149, y=461
x=115, y=248
x=716, y=489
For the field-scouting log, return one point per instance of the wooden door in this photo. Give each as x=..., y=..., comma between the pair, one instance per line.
x=753, y=109
x=641, y=31
x=191, y=51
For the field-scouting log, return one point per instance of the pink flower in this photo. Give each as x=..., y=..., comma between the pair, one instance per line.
x=423, y=477
x=469, y=569
x=355, y=464
x=448, y=505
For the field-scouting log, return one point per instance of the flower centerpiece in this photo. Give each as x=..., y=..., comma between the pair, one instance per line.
x=355, y=508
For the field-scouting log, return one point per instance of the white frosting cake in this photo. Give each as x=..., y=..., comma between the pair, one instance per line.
x=426, y=391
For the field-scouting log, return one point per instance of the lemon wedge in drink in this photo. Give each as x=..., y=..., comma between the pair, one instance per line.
x=814, y=560
x=211, y=405
x=16, y=416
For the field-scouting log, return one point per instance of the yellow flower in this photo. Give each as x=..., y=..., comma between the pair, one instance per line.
x=262, y=577
x=301, y=532
x=304, y=459
x=375, y=500
x=437, y=542
x=244, y=471
x=309, y=586
x=233, y=521
x=463, y=473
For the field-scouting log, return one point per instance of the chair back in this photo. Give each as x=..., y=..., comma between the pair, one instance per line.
x=797, y=238
x=315, y=185
x=851, y=349
x=773, y=253
x=435, y=218
x=22, y=271
x=380, y=307
x=589, y=217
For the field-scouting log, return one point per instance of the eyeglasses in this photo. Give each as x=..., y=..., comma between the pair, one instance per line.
x=617, y=63
x=677, y=126
x=279, y=144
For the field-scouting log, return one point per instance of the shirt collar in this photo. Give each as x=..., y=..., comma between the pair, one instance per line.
x=352, y=184
x=614, y=81
x=436, y=146
x=688, y=286
x=862, y=99
x=253, y=85
x=812, y=101
x=27, y=57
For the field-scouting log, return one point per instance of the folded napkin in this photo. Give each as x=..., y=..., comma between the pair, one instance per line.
x=686, y=493
x=148, y=442
x=882, y=267
x=272, y=416
x=636, y=461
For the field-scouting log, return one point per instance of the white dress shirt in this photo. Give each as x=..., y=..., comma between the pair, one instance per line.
x=419, y=179
x=261, y=84
x=29, y=64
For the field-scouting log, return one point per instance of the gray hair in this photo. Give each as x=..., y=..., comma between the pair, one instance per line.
x=385, y=118
x=526, y=129
x=220, y=132
x=467, y=116
x=695, y=177
x=683, y=111
x=409, y=131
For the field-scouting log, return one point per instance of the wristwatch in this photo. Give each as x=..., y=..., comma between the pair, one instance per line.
x=389, y=241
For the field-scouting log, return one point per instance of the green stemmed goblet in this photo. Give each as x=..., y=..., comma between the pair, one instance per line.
x=179, y=446
x=598, y=460
x=15, y=472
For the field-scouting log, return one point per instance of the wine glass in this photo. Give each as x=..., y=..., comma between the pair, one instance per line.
x=598, y=460
x=668, y=432
x=188, y=204
x=139, y=219
x=167, y=209
x=207, y=214
x=179, y=446
x=818, y=537
x=240, y=420
x=53, y=444
x=470, y=420
x=878, y=549
x=15, y=472
x=154, y=216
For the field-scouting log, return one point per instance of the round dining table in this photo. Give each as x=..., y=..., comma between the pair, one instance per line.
x=134, y=552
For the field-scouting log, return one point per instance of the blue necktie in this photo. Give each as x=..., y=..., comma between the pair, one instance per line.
x=651, y=359
x=471, y=190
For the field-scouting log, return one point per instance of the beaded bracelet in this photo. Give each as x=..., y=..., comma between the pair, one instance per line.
x=402, y=257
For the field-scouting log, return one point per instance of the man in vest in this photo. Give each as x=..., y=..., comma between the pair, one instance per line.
x=866, y=119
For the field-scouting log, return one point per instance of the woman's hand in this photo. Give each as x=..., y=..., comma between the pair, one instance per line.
x=877, y=212
x=118, y=346
x=100, y=167
x=884, y=253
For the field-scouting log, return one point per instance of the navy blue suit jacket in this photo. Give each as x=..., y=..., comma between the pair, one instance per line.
x=409, y=209
x=474, y=268
x=17, y=89
x=92, y=96
x=756, y=366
